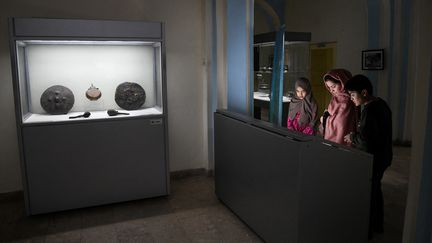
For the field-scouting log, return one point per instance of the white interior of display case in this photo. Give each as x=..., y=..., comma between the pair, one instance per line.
x=79, y=64
x=40, y=118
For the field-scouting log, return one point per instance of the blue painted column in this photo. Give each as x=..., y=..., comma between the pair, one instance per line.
x=403, y=71
x=239, y=56
x=373, y=33
x=424, y=211
x=389, y=64
x=397, y=75
x=212, y=91
x=275, y=114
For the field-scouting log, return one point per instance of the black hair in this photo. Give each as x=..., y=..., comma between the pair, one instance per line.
x=304, y=79
x=358, y=83
x=328, y=77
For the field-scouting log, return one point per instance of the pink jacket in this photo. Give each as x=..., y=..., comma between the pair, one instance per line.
x=343, y=115
x=294, y=125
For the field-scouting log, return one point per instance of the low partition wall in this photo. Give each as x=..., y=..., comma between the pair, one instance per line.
x=288, y=187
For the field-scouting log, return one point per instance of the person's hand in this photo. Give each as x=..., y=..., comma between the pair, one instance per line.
x=324, y=114
x=347, y=138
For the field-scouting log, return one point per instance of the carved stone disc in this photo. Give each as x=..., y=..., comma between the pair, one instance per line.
x=57, y=100
x=130, y=96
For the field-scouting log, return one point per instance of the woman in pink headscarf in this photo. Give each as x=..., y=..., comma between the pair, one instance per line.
x=341, y=116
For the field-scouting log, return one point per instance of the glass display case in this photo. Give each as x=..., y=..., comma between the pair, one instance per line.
x=296, y=64
x=58, y=77
x=90, y=101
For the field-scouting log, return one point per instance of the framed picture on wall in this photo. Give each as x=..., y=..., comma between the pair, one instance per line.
x=373, y=59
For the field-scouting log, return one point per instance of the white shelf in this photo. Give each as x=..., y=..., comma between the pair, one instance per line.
x=41, y=118
x=265, y=97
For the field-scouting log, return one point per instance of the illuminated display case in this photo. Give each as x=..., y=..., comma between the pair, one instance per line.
x=91, y=111
x=83, y=65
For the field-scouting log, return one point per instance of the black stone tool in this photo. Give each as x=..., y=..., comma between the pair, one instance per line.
x=85, y=115
x=112, y=112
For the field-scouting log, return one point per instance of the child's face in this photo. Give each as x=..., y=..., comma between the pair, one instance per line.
x=300, y=93
x=335, y=88
x=357, y=98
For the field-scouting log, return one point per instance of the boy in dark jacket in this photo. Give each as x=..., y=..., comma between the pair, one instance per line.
x=373, y=135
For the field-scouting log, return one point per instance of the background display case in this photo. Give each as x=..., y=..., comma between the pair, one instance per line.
x=91, y=111
x=296, y=64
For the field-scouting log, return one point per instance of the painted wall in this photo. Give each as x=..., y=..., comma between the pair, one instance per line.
x=184, y=47
x=332, y=21
x=268, y=15
x=262, y=21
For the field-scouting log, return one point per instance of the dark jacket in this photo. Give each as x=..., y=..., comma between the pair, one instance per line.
x=374, y=132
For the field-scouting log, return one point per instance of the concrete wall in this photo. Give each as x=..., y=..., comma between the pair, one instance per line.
x=185, y=71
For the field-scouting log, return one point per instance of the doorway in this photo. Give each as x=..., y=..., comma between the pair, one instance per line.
x=322, y=59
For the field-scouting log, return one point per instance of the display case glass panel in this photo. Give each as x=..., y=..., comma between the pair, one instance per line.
x=92, y=71
x=296, y=64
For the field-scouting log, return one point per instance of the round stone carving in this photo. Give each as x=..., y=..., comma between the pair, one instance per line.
x=57, y=100
x=130, y=96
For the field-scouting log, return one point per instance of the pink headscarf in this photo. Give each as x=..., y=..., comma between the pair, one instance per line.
x=343, y=116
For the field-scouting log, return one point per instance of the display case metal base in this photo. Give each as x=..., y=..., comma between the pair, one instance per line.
x=77, y=165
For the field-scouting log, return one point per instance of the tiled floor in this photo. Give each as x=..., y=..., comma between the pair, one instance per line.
x=192, y=213
x=395, y=188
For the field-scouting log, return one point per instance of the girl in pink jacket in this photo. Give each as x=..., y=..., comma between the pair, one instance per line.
x=342, y=113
